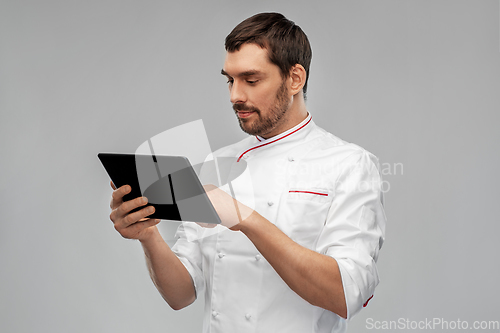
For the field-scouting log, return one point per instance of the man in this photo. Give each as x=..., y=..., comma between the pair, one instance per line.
x=302, y=259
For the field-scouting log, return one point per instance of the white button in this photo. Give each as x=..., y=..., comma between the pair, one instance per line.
x=258, y=256
x=290, y=158
x=221, y=254
x=215, y=314
x=270, y=203
x=248, y=316
x=245, y=157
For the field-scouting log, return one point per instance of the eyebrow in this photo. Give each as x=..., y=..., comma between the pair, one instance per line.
x=242, y=74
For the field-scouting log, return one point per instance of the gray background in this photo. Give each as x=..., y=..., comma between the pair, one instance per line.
x=415, y=82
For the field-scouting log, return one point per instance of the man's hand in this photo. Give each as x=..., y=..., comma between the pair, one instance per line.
x=231, y=212
x=134, y=225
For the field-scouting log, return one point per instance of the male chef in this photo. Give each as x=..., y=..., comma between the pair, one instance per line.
x=301, y=234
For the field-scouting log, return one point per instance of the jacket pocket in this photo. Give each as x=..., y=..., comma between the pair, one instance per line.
x=303, y=213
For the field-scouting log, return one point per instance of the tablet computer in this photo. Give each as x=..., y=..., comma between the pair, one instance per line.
x=169, y=182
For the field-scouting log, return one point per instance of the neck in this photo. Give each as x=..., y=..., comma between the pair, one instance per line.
x=295, y=114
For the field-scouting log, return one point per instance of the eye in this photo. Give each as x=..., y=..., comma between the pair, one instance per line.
x=252, y=82
x=230, y=81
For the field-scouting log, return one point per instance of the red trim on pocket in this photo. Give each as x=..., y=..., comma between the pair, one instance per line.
x=309, y=192
x=364, y=305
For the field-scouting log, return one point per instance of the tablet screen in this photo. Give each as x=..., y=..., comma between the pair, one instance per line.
x=169, y=183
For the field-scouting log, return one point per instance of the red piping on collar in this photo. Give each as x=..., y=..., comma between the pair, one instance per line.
x=309, y=192
x=265, y=144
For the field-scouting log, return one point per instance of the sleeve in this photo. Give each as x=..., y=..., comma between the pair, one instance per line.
x=187, y=249
x=355, y=228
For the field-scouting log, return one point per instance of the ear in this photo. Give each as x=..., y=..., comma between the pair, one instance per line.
x=297, y=78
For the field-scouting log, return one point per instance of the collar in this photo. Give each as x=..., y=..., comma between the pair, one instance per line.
x=295, y=133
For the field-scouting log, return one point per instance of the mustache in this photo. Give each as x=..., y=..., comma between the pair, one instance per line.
x=244, y=107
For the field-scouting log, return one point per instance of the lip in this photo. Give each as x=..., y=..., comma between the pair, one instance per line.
x=245, y=114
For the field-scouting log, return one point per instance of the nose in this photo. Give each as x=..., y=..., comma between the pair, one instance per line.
x=237, y=93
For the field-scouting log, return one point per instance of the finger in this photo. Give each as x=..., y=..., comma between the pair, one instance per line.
x=121, y=216
x=209, y=187
x=112, y=185
x=206, y=225
x=135, y=229
x=120, y=213
x=135, y=217
x=127, y=206
x=117, y=196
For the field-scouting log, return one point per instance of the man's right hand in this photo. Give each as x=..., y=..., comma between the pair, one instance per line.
x=134, y=225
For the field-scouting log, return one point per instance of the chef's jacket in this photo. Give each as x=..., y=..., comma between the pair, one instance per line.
x=321, y=191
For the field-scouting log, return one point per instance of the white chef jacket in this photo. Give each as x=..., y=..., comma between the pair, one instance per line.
x=321, y=191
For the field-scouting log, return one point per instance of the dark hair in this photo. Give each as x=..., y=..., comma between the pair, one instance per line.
x=285, y=42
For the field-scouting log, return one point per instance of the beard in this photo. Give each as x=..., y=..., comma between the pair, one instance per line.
x=264, y=124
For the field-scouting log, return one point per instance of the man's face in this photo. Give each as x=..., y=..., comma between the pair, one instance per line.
x=258, y=92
